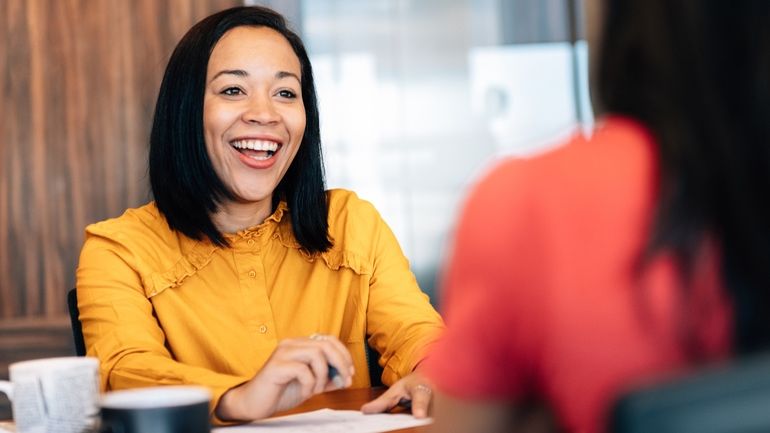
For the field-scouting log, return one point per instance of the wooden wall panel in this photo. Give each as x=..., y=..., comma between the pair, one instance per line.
x=79, y=82
x=77, y=90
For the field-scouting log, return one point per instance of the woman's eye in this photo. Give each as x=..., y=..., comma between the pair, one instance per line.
x=232, y=91
x=287, y=94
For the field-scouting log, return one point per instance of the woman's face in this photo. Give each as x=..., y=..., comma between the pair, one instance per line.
x=253, y=115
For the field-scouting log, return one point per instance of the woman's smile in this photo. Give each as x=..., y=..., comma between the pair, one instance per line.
x=258, y=153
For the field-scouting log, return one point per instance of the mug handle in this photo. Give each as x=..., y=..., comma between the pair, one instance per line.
x=7, y=388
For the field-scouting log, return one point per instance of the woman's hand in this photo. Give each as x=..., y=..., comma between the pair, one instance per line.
x=297, y=370
x=414, y=387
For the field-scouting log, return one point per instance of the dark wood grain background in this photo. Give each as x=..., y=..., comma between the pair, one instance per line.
x=79, y=82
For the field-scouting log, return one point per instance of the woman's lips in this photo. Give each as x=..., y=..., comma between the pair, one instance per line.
x=256, y=153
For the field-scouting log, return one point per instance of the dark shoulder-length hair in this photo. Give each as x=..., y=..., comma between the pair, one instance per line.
x=185, y=186
x=697, y=73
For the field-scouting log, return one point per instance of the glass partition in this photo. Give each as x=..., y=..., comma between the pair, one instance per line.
x=418, y=96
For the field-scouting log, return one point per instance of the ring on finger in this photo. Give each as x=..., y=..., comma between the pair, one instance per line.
x=424, y=388
x=319, y=337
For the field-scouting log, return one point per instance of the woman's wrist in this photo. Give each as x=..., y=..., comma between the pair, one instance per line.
x=225, y=409
x=231, y=407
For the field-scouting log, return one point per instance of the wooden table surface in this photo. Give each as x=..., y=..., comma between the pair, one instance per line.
x=351, y=399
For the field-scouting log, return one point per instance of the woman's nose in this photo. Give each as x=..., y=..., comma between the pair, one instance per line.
x=260, y=110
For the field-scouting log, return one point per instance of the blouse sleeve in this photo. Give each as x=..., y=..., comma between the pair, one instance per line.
x=120, y=330
x=401, y=323
x=489, y=293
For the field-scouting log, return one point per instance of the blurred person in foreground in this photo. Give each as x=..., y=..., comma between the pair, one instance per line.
x=630, y=255
x=245, y=275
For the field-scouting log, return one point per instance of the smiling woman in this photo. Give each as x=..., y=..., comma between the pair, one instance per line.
x=245, y=275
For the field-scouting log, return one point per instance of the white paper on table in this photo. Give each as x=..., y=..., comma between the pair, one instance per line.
x=329, y=421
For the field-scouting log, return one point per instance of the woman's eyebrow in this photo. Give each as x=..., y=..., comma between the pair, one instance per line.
x=285, y=74
x=236, y=72
x=242, y=73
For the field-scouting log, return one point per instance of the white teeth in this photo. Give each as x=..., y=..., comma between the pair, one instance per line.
x=266, y=145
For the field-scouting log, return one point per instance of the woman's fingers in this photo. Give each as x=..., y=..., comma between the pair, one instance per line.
x=413, y=388
x=388, y=400
x=299, y=387
x=336, y=351
x=347, y=358
x=306, y=379
x=320, y=355
x=321, y=351
x=422, y=395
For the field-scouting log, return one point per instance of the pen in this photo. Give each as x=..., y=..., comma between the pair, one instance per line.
x=335, y=377
x=404, y=402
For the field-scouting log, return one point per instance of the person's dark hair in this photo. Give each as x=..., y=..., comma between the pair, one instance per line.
x=186, y=188
x=697, y=73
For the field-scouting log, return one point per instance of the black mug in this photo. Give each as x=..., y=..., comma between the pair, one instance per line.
x=163, y=409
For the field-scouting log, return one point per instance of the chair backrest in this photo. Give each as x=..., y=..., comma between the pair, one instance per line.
x=77, y=330
x=375, y=370
x=734, y=398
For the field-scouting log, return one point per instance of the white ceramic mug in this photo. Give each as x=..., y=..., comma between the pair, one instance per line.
x=54, y=394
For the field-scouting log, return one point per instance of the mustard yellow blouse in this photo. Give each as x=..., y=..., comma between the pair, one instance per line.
x=159, y=308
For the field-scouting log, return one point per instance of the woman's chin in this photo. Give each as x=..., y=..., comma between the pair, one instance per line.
x=250, y=198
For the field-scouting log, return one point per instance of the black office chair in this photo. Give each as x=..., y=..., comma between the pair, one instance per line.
x=375, y=370
x=77, y=329
x=731, y=399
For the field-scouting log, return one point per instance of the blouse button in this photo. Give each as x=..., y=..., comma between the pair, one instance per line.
x=262, y=329
x=252, y=274
x=250, y=242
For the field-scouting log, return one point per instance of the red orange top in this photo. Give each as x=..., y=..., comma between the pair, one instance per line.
x=541, y=296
